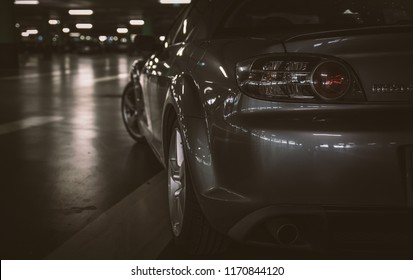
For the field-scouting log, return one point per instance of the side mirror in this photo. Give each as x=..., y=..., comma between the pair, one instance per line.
x=146, y=43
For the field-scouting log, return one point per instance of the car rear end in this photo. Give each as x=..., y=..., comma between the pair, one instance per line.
x=312, y=138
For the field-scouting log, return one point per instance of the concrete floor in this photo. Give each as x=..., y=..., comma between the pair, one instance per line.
x=65, y=157
x=73, y=183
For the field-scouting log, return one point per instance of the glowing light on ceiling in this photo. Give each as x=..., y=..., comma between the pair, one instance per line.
x=175, y=1
x=26, y=2
x=32, y=31
x=136, y=22
x=122, y=30
x=81, y=12
x=54, y=21
x=84, y=26
x=103, y=38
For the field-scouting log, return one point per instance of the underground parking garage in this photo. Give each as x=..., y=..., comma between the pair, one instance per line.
x=145, y=130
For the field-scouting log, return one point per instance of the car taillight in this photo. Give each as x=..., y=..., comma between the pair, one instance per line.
x=305, y=78
x=331, y=80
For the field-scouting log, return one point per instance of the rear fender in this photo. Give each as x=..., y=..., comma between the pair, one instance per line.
x=183, y=103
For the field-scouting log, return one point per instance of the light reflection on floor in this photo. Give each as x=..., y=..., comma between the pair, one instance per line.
x=60, y=176
x=79, y=179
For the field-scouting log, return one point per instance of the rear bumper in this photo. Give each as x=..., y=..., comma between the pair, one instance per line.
x=341, y=155
x=255, y=157
x=358, y=229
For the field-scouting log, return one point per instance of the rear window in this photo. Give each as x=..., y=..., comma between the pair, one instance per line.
x=261, y=15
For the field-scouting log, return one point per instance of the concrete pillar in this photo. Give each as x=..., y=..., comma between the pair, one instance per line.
x=8, y=41
x=147, y=28
x=47, y=36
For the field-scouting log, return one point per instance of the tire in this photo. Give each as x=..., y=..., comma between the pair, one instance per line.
x=131, y=113
x=192, y=232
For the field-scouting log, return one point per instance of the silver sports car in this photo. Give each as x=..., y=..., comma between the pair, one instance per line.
x=284, y=123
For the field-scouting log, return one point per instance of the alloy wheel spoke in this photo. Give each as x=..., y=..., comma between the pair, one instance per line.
x=176, y=183
x=175, y=170
x=175, y=187
x=132, y=121
x=181, y=172
x=129, y=104
x=179, y=207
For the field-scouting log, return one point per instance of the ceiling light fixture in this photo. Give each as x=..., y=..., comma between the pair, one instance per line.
x=122, y=30
x=54, y=21
x=74, y=34
x=26, y=2
x=32, y=31
x=80, y=12
x=175, y=1
x=137, y=22
x=66, y=30
x=162, y=38
x=84, y=26
x=103, y=38
x=25, y=34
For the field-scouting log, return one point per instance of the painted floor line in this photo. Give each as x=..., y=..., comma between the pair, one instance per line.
x=111, y=78
x=31, y=76
x=27, y=123
x=137, y=227
x=65, y=73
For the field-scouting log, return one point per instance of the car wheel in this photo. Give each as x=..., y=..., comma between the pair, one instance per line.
x=192, y=232
x=131, y=113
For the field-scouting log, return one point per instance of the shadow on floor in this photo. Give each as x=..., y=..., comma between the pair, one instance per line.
x=244, y=252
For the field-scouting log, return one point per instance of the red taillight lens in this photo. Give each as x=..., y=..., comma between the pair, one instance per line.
x=331, y=80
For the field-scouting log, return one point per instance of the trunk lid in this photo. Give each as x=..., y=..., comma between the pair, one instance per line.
x=382, y=57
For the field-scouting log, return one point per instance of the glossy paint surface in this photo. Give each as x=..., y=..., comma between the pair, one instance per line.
x=246, y=154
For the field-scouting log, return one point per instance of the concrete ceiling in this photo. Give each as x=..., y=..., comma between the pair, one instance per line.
x=108, y=15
